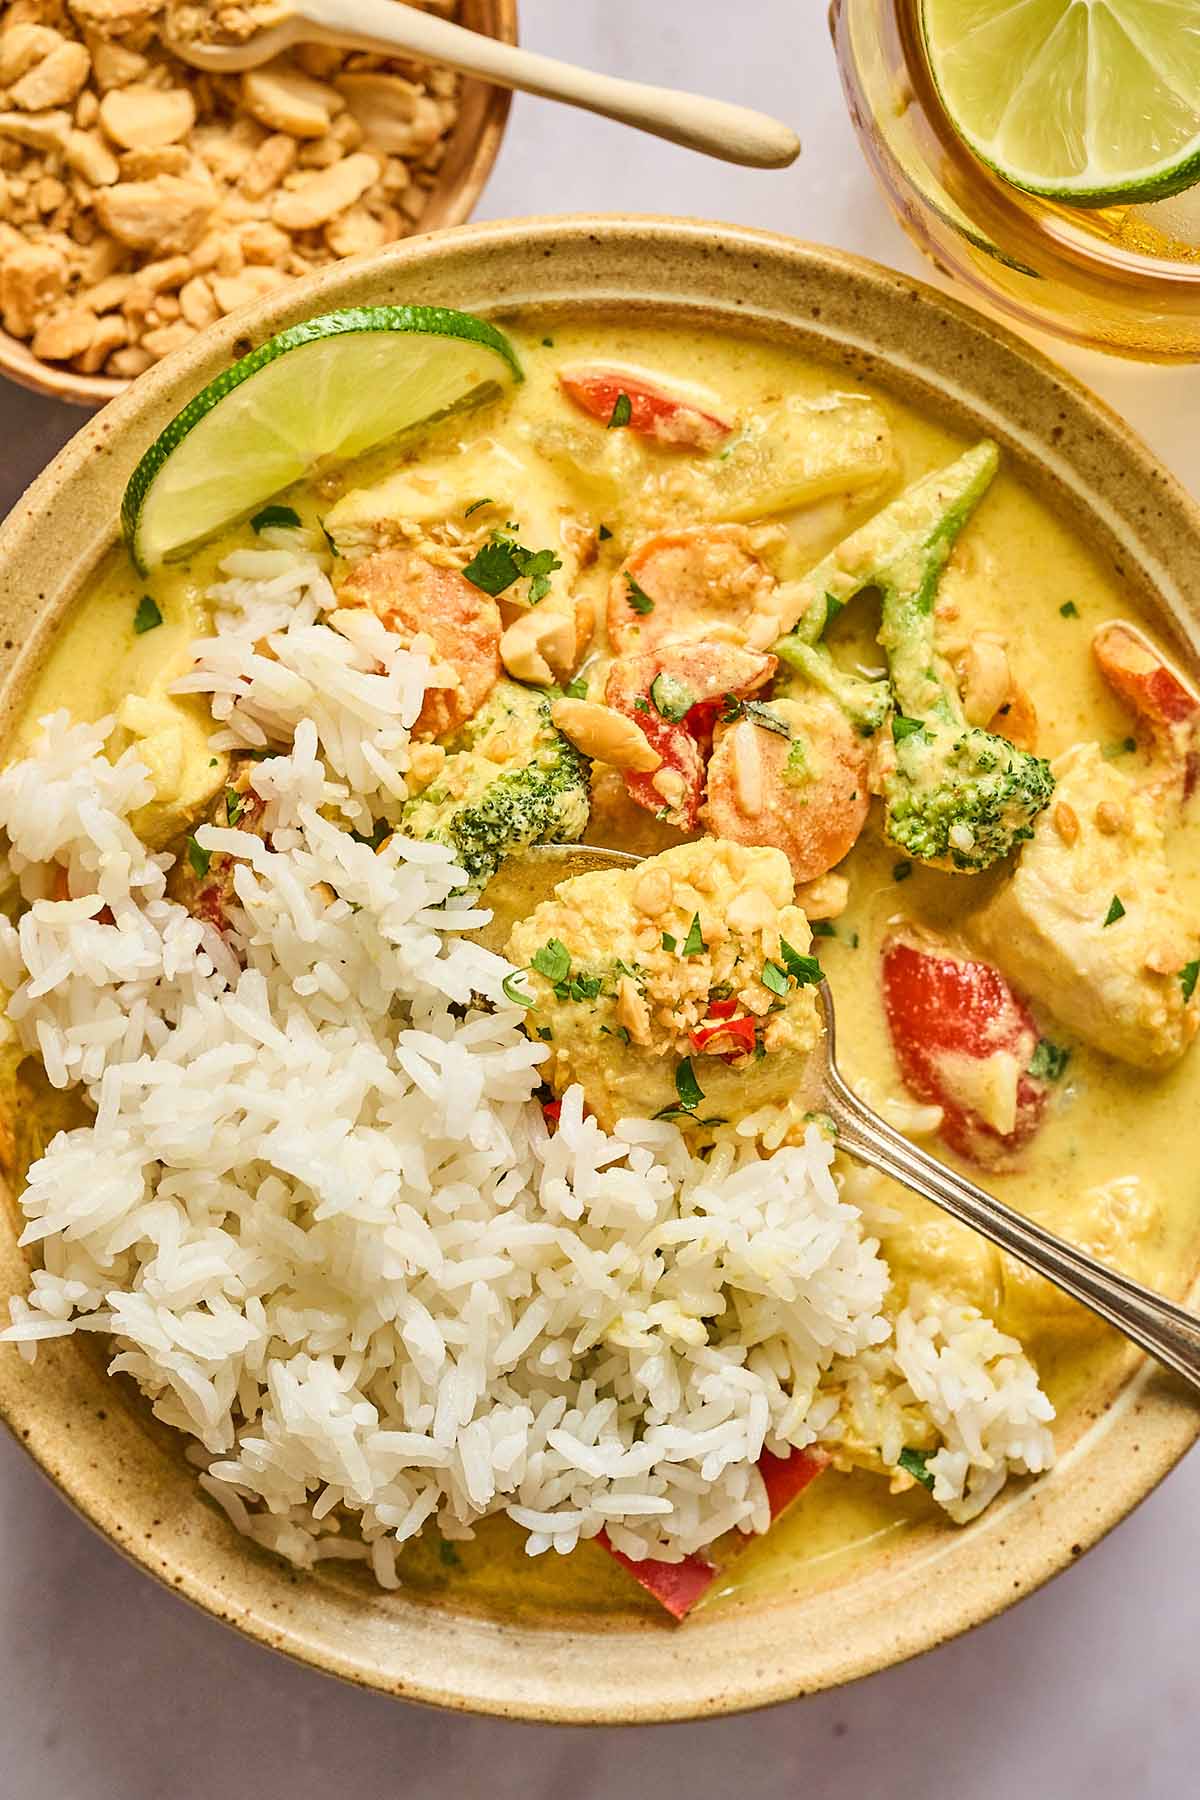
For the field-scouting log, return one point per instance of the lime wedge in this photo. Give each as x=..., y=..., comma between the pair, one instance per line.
x=1090, y=102
x=319, y=392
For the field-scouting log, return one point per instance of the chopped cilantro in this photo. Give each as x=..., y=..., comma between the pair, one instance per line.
x=147, y=616
x=553, y=960
x=903, y=728
x=545, y=1033
x=686, y=1086
x=774, y=978
x=805, y=971
x=672, y=699
x=199, y=858
x=693, y=943
x=641, y=704
x=833, y=606
x=731, y=709
x=668, y=942
x=621, y=413
x=1187, y=978
x=378, y=834
x=1122, y=747
x=274, y=515
x=449, y=1555
x=235, y=806
x=547, y=343
x=603, y=534
x=1115, y=911
x=476, y=504
x=1049, y=1061
x=901, y=871
x=577, y=689
x=511, y=992
x=1069, y=610
x=823, y=928
x=579, y=987
x=501, y=561
x=212, y=762
x=914, y=1463
x=637, y=599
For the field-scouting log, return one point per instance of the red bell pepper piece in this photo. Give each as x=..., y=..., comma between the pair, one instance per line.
x=678, y=1586
x=551, y=1111
x=654, y=411
x=735, y=1035
x=948, y=1014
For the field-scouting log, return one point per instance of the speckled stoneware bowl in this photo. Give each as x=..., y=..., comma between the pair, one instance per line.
x=94, y=1437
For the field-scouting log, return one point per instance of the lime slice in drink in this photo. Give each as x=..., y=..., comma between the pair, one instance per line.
x=317, y=393
x=1090, y=102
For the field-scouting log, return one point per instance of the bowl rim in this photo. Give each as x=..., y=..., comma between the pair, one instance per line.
x=454, y=207
x=563, y=1669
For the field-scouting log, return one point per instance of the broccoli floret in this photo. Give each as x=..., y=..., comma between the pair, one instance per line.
x=509, y=779
x=866, y=703
x=957, y=797
x=960, y=797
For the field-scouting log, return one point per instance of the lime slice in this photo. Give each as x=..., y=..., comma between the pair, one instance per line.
x=319, y=392
x=1086, y=101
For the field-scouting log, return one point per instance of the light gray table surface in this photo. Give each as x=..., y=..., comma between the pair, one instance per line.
x=111, y=1689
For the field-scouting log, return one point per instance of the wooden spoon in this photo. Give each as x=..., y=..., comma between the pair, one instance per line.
x=734, y=133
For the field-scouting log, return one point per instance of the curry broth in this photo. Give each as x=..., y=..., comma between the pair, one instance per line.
x=1023, y=565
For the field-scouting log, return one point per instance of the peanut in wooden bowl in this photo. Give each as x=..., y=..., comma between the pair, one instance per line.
x=471, y=150
x=612, y=1661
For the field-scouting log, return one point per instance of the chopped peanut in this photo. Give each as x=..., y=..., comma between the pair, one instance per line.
x=605, y=734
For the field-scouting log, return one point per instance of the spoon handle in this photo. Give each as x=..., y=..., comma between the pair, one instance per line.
x=734, y=133
x=1157, y=1325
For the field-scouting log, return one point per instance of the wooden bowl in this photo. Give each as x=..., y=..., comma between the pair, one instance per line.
x=470, y=153
x=612, y=1662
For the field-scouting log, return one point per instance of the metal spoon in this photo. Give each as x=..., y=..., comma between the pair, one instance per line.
x=1167, y=1331
x=734, y=133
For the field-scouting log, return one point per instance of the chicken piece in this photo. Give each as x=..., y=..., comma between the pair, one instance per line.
x=419, y=599
x=674, y=694
x=792, y=773
x=171, y=735
x=706, y=582
x=681, y=984
x=1089, y=924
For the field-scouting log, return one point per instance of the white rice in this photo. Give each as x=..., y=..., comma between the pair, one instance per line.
x=321, y=1216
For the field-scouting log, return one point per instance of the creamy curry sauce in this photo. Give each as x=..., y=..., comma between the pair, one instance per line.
x=1021, y=568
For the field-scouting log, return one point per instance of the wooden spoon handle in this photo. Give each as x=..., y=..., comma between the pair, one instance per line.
x=734, y=133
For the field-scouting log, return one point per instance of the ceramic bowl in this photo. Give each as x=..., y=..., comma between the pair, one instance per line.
x=470, y=153
x=614, y=1662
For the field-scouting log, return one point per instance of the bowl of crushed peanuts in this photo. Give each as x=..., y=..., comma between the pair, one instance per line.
x=141, y=200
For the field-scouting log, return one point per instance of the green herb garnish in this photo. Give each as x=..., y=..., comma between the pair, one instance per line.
x=1123, y=747
x=603, y=534
x=805, y=971
x=1115, y=911
x=147, y=617
x=449, y=1555
x=512, y=992
x=476, y=504
x=553, y=960
x=833, y=606
x=199, y=858
x=546, y=1034
x=501, y=561
x=577, y=689
x=914, y=1463
x=901, y=871
x=1069, y=610
x=1187, y=978
x=823, y=928
x=668, y=942
x=641, y=704
x=274, y=515
x=693, y=943
x=774, y=978
x=637, y=599
x=687, y=1087
x=235, y=806
x=621, y=413
x=1049, y=1061
x=377, y=835
x=903, y=728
